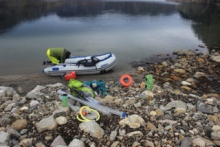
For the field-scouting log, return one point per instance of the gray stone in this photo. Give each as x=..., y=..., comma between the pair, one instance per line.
x=4, y=137
x=61, y=110
x=46, y=124
x=215, y=135
x=6, y=120
x=33, y=103
x=76, y=143
x=113, y=135
x=179, y=105
x=8, y=91
x=13, y=133
x=23, y=131
x=58, y=141
x=204, y=108
x=9, y=107
x=186, y=142
x=199, y=142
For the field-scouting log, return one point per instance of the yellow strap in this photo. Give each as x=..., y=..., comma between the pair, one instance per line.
x=84, y=119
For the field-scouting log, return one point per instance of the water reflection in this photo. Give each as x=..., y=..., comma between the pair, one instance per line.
x=206, y=24
x=12, y=13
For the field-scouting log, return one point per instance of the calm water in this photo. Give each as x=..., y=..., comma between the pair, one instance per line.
x=132, y=30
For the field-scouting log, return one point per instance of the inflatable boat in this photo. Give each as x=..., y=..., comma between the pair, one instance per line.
x=83, y=65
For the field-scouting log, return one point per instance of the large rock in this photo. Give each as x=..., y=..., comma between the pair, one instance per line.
x=133, y=121
x=46, y=124
x=93, y=128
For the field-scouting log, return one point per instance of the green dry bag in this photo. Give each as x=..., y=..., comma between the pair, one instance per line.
x=79, y=90
x=149, y=82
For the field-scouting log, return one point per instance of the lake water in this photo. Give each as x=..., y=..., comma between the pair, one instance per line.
x=132, y=30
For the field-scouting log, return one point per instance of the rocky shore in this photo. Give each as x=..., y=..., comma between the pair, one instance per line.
x=182, y=109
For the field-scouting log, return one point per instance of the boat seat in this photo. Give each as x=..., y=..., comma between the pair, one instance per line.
x=88, y=62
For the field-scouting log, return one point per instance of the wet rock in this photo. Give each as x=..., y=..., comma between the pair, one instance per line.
x=93, y=128
x=133, y=121
x=58, y=141
x=4, y=137
x=46, y=124
x=184, y=52
x=19, y=124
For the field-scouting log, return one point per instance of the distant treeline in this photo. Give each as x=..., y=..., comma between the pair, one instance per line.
x=198, y=1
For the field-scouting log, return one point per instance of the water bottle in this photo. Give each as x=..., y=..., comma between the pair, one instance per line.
x=64, y=100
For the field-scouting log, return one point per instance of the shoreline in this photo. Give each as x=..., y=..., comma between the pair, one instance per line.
x=183, y=105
